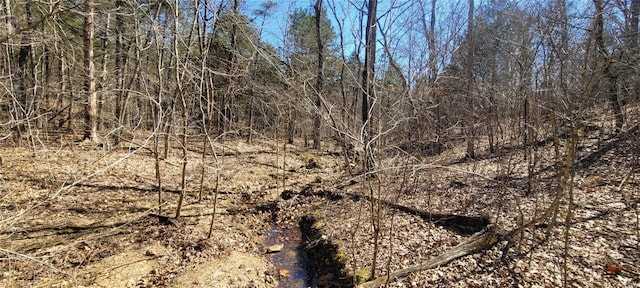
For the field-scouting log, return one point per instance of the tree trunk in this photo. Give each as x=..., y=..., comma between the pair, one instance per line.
x=25, y=80
x=629, y=57
x=291, y=125
x=104, y=73
x=8, y=22
x=9, y=66
x=478, y=242
x=179, y=93
x=635, y=53
x=605, y=60
x=159, y=120
x=368, y=78
x=8, y=17
x=319, y=77
x=119, y=69
x=470, y=131
x=91, y=113
x=416, y=128
x=433, y=64
x=228, y=97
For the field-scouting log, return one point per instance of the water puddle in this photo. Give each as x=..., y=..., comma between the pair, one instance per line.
x=290, y=260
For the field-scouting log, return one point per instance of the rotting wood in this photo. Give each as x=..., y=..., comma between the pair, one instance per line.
x=482, y=240
x=459, y=223
x=466, y=225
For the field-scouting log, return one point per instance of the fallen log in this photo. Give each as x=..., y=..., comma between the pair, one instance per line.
x=460, y=224
x=482, y=240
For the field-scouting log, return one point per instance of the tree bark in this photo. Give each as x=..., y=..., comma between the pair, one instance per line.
x=180, y=94
x=119, y=66
x=368, y=164
x=104, y=72
x=477, y=242
x=8, y=61
x=635, y=53
x=433, y=63
x=91, y=113
x=605, y=59
x=319, y=77
x=470, y=131
x=8, y=17
x=629, y=56
x=368, y=77
x=226, y=117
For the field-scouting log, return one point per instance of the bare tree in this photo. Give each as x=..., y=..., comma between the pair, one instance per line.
x=91, y=112
x=8, y=17
x=469, y=129
x=628, y=75
x=319, y=76
x=368, y=98
x=633, y=38
x=8, y=62
x=605, y=65
x=25, y=93
x=368, y=86
x=179, y=94
x=119, y=62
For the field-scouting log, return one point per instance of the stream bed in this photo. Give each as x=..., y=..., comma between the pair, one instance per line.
x=290, y=261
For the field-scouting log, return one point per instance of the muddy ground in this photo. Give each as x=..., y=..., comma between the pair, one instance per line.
x=74, y=214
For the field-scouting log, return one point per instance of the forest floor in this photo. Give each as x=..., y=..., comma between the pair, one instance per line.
x=77, y=215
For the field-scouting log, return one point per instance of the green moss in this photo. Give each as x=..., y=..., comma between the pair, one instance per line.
x=362, y=275
x=308, y=157
x=341, y=257
x=318, y=225
x=592, y=181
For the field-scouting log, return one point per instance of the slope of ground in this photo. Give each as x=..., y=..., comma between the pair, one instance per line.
x=599, y=250
x=78, y=215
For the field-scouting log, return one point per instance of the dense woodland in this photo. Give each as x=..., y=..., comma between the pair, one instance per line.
x=424, y=76
x=375, y=80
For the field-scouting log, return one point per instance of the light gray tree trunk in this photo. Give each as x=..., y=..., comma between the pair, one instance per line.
x=91, y=112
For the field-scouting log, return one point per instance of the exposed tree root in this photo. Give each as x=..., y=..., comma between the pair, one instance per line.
x=482, y=240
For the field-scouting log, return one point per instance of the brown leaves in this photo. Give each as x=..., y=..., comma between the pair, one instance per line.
x=613, y=268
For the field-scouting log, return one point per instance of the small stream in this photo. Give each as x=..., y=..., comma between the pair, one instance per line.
x=290, y=262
